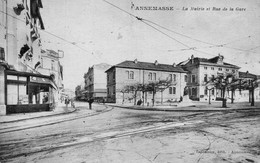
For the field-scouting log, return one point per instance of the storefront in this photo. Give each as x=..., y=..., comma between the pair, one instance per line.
x=28, y=92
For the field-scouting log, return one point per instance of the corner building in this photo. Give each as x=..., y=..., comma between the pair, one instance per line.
x=200, y=70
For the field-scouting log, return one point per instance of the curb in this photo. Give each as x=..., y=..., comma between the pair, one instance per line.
x=183, y=110
x=50, y=115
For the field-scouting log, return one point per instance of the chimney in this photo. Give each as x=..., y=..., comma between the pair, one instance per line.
x=174, y=64
x=192, y=59
x=156, y=62
x=135, y=61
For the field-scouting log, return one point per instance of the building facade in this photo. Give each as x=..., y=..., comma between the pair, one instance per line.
x=95, y=82
x=50, y=65
x=200, y=70
x=128, y=73
x=22, y=87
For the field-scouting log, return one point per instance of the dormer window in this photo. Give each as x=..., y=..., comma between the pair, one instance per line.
x=220, y=59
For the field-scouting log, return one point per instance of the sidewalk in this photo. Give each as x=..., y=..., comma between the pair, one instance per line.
x=60, y=109
x=196, y=106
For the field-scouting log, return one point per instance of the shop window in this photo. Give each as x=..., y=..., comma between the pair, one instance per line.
x=16, y=94
x=12, y=77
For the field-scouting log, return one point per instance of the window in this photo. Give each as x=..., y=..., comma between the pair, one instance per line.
x=212, y=68
x=2, y=53
x=52, y=65
x=114, y=90
x=227, y=69
x=212, y=91
x=150, y=77
x=212, y=76
x=108, y=77
x=114, y=75
x=220, y=69
x=193, y=78
x=130, y=74
x=172, y=90
x=205, y=68
x=233, y=71
x=174, y=77
x=185, y=78
x=206, y=91
x=154, y=76
x=108, y=91
x=205, y=77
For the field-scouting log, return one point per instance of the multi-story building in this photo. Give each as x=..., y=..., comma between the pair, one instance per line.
x=79, y=91
x=95, y=82
x=131, y=72
x=246, y=94
x=22, y=87
x=200, y=70
x=50, y=65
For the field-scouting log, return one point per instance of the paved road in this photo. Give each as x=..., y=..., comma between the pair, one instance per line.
x=120, y=135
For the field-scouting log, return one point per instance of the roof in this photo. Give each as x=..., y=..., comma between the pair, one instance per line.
x=213, y=60
x=148, y=66
x=246, y=75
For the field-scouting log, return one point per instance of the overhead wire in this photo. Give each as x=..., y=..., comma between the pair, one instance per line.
x=213, y=45
x=191, y=48
x=54, y=35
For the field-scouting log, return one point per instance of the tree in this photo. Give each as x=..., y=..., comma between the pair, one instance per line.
x=124, y=90
x=160, y=85
x=223, y=82
x=250, y=85
x=135, y=88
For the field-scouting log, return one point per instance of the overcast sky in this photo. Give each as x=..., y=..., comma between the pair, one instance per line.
x=101, y=33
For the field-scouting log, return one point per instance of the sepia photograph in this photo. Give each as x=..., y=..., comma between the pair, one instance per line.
x=129, y=81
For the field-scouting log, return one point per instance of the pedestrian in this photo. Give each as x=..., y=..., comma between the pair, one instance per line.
x=90, y=101
x=72, y=102
x=67, y=101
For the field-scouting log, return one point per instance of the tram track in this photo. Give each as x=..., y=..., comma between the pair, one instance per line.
x=30, y=126
x=103, y=136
